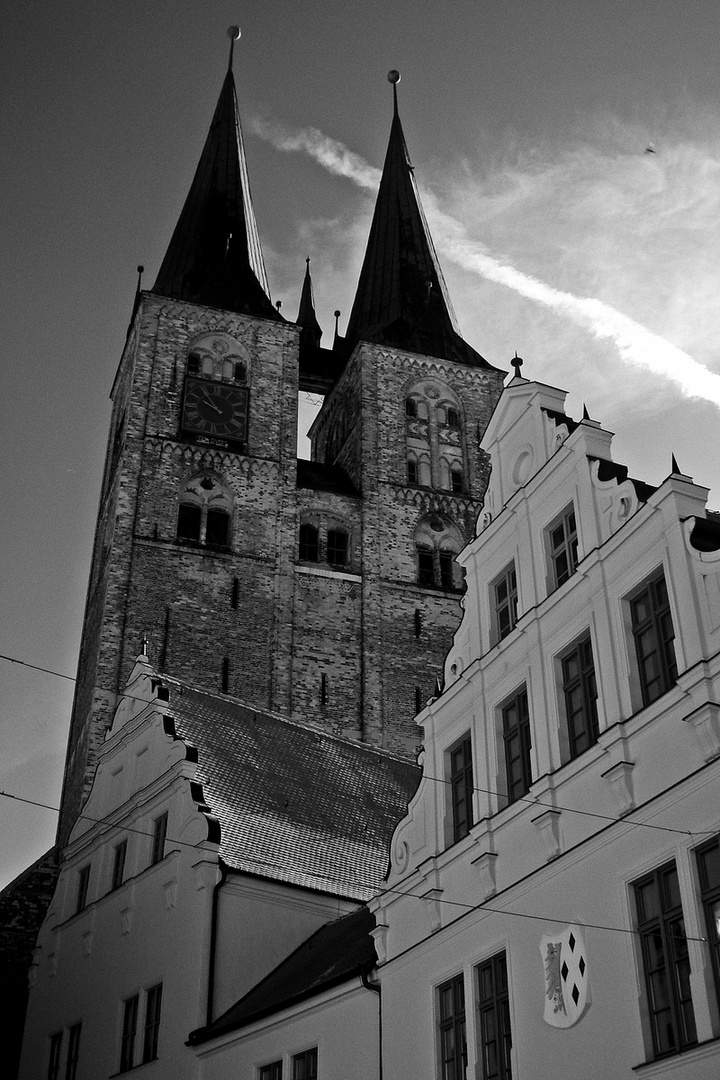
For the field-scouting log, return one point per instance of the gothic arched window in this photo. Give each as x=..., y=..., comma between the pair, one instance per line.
x=205, y=512
x=437, y=541
x=324, y=540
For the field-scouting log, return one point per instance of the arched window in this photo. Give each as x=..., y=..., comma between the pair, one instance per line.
x=437, y=541
x=413, y=473
x=456, y=478
x=324, y=541
x=205, y=512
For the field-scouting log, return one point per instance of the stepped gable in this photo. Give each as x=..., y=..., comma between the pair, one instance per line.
x=294, y=803
x=335, y=953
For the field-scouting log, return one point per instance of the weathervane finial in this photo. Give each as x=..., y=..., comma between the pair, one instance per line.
x=234, y=34
x=394, y=78
x=517, y=363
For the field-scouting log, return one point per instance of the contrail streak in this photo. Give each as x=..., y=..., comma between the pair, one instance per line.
x=635, y=343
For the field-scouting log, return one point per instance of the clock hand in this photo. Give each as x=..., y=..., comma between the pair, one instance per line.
x=208, y=401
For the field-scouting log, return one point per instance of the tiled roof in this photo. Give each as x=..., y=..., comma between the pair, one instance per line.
x=401, y=298
x=332, y=955
x=294, y=804
x=214, y=256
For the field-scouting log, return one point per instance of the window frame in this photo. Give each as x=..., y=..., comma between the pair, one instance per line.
x=119, y=860
x=521, y=729
x=652, y=625
x=151, y=1027
x=55, y=1055
x=566, y=550
x=494, y=1004
x=508, y=578
x=73, y=1053
x=340, y=552
x=709, y=892
x=581, y=721
x=128, y=1034
x=452, y=1029
x=159, y=837
x=658, y=929
x=272, y=1071
x=83, y=886
x=305, y=1064
x=459, y=758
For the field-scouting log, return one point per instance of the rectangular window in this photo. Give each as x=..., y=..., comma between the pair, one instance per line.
x=494, y=1016
x=337, y=547
x=708, y=862
x=129, y=1032
x=152, y=1023
x=505, y=600
x=273, y=1071
x=189, y=521
x=580, y=693
x=665, y=961
x=159, y=834
x=73, y=1052
x=461, y=788
x=309, y=549
x=426, y=569
x=654, y=636
x=217, y=528
x=305, y=1065
x=119, y=864
x=83, y=881
x=447, y=558
x=412, y=471
x=563, y=547
x=453, y=1045
x=517, y=740
x=54, y=1060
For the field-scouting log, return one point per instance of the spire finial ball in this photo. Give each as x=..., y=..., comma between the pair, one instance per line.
x=233, y=33
x=393, y=76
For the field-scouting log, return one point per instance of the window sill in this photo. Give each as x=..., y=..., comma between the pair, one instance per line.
x=326, y=571
x=668, y=1066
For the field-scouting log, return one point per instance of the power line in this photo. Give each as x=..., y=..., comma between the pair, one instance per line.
x=379, y=889
x=424, y=776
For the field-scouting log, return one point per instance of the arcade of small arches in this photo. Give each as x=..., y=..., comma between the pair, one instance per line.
x=218, y=356
x=435, y=450
x=205, y=510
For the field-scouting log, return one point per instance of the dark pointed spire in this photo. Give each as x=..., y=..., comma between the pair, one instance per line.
x=401, y=298
x=307, y=319
x=214, y=256
x=675, y=468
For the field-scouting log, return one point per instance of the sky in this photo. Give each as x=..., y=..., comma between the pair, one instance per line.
x=560, y=235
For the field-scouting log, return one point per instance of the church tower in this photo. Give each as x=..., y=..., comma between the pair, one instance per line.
x=324, y=590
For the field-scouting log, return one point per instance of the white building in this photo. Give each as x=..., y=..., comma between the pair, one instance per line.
x=167, y=912
x=553, y=904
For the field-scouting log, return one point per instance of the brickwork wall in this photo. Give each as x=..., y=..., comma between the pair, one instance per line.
x=253, y=618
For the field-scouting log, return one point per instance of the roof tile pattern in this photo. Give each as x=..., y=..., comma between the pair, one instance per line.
x=294, y=804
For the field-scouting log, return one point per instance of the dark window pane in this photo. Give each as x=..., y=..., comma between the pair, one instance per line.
x=189, y=518
x=159, y=834
x=152, y=1023
x=654, y=636
x=119, y=864
x=217, y=529
x=461, y=788
x=516, y=736
x=426, y=569
x=308, y=543
x=447, y=558
x=337, y=547
x=129, y=1032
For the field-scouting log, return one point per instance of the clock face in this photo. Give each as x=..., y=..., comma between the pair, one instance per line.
x=216, y=409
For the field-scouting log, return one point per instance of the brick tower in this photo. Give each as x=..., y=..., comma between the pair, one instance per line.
x=325, y=590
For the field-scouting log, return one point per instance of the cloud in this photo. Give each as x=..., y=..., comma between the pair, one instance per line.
x=597, y=211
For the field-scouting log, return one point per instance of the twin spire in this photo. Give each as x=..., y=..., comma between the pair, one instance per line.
x=214, y=257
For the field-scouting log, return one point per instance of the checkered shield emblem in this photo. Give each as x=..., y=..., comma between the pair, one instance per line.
x=567, y=990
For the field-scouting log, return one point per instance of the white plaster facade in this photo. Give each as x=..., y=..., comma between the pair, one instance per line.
x=157, y=926
x=645, y=793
